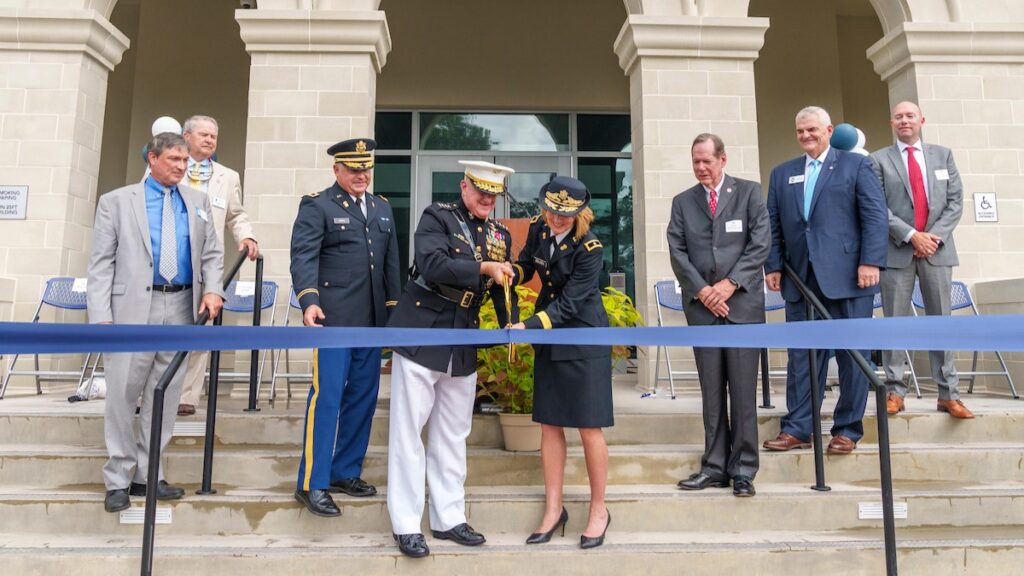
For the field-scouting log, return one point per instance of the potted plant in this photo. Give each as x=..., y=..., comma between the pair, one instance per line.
x=509, y=385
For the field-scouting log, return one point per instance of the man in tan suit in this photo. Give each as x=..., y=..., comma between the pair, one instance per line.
x=223, y=186
x=155, y=260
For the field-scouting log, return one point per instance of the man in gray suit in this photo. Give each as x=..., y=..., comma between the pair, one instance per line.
x=925, y=199
x=718, y=240
x=156, y=259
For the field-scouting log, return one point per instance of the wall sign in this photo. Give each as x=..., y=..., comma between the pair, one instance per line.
x=985, y=209
x=13, y=202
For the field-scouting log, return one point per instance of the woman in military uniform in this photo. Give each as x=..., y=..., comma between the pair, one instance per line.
x=572, y=384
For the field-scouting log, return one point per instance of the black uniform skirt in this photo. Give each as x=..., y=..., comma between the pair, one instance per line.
x=572, y=393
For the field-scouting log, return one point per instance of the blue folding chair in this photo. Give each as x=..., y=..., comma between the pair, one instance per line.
x=669, y=298
x=58, y=293
x=772, y=301
x=877, y=305
x=243, y=304
x=293, y=304
x=960, y=299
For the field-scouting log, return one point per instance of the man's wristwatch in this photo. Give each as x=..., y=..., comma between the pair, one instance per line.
x=733, y=282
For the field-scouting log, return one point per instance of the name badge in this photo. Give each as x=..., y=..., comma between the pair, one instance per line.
x=942, y=174
x=540, y=261
x=734, y=226
x=202, y=214
x=796, y=179
x=341, y=220
x=219, y=202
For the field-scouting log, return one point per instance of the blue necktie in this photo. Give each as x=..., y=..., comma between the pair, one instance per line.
x=812, y=179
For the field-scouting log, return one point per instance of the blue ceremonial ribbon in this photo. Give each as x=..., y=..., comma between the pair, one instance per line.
x=1004, y=333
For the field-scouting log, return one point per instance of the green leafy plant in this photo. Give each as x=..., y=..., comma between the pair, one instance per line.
x=510, y=384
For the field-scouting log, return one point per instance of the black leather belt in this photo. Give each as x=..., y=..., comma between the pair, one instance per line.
x=464, y=298
x=171, y=288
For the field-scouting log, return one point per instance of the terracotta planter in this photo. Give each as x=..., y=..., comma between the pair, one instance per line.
x=521, y=433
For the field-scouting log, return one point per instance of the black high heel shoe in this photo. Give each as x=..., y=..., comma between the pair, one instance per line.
x=588, y=542
x=542, y=537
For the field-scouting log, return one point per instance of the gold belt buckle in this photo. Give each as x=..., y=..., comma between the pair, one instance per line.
x=467, y=299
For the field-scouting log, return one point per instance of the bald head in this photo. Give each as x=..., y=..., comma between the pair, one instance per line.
x=906, y=121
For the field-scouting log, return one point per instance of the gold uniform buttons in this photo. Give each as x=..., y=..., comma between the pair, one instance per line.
x=417, y=302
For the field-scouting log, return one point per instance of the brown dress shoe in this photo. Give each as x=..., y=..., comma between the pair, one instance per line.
x=841, y=445
x=186, y=409
x=894, y=404
x=955, y=408
x=784, y=442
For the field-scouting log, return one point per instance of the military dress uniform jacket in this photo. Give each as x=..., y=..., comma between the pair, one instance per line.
x=447, y=289
x=570, y=295
x=344, y=262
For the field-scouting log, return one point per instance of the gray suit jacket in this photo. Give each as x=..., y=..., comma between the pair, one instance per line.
x=945, y=202
x=121, y=262
x=734, y=245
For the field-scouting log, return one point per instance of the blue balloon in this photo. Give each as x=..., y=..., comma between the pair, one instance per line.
x=844, y=137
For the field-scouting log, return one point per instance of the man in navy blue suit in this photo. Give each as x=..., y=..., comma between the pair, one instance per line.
x=829, y=222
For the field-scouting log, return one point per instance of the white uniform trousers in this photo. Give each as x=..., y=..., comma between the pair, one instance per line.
x=423, y=396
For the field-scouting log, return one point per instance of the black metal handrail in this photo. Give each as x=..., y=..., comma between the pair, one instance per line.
x=156, y=429
x=882, y=418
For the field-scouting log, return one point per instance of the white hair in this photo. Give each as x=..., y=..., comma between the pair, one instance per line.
x=190, y=124
x=815, y=111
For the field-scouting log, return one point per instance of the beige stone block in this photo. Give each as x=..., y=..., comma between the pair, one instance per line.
x=38, y=180
x=291, y=59
x=1011, y=239
x=45, y=76
x=972, y=237
x=959, y=137
x=716, y=64
x=1006, y=136
x=323, y=129
x=265, y=181
x=654, y=240
x=994, y=162
x=735, y=134
x=278, y=209
x=273, y=235
x=34, y=260
x=8, y=153
x=682, y=82
x=273, y=78
x=361, y=125
x=22, y=233
x=310, y=180
x=364, y=79
x=987, y=111
x=1003, y=87
x=290, y=103
x=942, y=112
x=12, y=100
x=42, y=153
x=674, y=158
x=658, y=210
x=1007, y=186
x=257, y=103
x=47, y=206
x=253, y=155
x=680, y=132
x=271, y=129
x=343, y=104
x=957, y=87
x=349, y=59
x=335, y=78
x=29, y=127
x=748, y=109
x=666, y=107
x=978, y=182
x=732, y=83
x=716, y=107
x=999, y=265
x=88, y=159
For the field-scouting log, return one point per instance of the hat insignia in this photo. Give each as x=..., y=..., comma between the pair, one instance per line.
x=361, y=147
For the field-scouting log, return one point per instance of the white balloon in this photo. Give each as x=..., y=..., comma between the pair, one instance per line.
x=860, y=151
x=166, y=124
x=861, y=140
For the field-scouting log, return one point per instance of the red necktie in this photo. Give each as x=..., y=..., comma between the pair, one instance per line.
x=713, y=201
x=917, y=191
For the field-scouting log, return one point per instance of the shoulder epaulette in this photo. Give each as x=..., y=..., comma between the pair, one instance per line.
x=535, y=219
x=446, y=205
x=591, y=245
x=313, y=194
x=382, y=198
x=498, y=224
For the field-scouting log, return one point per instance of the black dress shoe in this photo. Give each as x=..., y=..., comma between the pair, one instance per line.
x=164, y=491
x=542, y=537
x=700, y=481
x=743, y=486
x=116, y=500
x=593, y=542
x=318, y=502
x=461, y=534
x=412, y=545
x=353, y=487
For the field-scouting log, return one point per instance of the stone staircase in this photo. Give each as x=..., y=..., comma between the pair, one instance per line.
x=962, y=483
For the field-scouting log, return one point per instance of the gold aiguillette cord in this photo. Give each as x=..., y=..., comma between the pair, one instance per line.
x=508, y=311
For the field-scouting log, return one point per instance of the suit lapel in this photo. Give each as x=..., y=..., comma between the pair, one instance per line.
x=896, y=158
x=371, y=207
x=700, y=199
x=725, y=194
x=141, y=217
x=563, y=248
x=826, y=170
x=194, y=247
x=931, y=163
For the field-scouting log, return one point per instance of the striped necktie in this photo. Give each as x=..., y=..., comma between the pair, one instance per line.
x=168, y=240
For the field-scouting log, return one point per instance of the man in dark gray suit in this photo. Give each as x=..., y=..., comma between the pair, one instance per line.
x=718, y=239
x=925, y=197
x=156, y=259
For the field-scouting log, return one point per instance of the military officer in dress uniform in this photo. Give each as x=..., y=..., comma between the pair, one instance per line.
x=345, y=272
x=461, y=255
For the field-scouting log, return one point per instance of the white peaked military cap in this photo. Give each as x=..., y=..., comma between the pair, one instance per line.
x=487, y=177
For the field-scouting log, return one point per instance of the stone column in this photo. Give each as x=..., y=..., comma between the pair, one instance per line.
x=687, y=75
x=969, y=80
x=53, y=83
x=312, y=83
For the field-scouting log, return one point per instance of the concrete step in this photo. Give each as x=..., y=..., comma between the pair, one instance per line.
x=284, y=428
x=988, y=551
x=56, y=466
x=517, y=509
